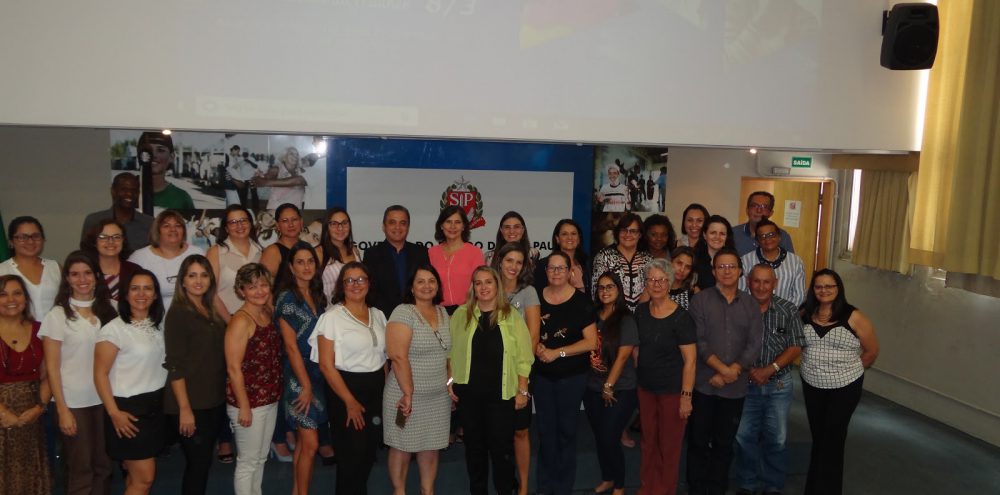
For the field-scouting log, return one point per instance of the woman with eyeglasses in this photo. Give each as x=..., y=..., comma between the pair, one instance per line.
x=513, y=229
x=195, y=399
x=254, y=376
x=490, y=361
x=625, y=259
x=349, y=345
x=129, y=377
x=236, y=245
x=107, y=243
x=567, y=337
x=40, y=275
x=610, y=398
x=683, y=286
x=568, y=238
x=24, y=392
x=416, y=402
x=788, y=267
x=454, y=257
x=511, y=262
x=167, y=249
x=840, y=345
x=336, y=248
x=716, y=234
x=665, y=371
x=69, y=334
x=298, y=306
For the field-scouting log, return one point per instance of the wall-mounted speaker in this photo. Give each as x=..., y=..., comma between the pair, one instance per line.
x=909, y=36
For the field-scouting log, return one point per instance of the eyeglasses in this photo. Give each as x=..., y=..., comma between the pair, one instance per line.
x=28, y=237
x=362, y=280
x=606, y=288
x=759, y=206
x=656, y=281
x=824, y=287
x=109, y=238
x=339, y=225
x=769, y=235
x=726, y=267
x=631, y=231
x=556, y=269
x=238, y=221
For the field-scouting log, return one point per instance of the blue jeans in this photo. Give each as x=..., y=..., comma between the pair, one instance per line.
x=557, y=409
x=760, y=441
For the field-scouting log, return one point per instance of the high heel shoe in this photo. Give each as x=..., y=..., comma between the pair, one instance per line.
x=280, y=458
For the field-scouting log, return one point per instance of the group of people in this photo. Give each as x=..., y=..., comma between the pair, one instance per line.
x=139, y=346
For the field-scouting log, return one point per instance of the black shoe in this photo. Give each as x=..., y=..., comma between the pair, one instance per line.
x=329, y=461
x=744, y=491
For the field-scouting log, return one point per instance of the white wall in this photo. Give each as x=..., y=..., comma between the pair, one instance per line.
x=782, y=73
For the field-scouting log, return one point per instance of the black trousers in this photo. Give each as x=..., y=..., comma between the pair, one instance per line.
x=711, y=432
x=356, y=449
x=199, y=449
x=488, y=422
x=829, y=412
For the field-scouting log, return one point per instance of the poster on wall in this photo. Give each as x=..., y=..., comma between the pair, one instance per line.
x=627, y=179
x=199, y=174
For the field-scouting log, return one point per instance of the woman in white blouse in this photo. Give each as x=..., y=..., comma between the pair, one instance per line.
x=166, y=251
x=69, y=333
x=236, y=245
x=129, y=377
x=40, y=275
x=349, y=345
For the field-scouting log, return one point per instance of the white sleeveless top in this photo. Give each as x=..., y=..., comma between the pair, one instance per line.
x=230, y=261
x=833, y=360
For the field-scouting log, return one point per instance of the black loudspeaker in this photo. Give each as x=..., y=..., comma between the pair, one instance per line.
x=910, y=36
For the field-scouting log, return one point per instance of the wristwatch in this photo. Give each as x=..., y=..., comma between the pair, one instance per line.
x=524, y=393
x=562, y=354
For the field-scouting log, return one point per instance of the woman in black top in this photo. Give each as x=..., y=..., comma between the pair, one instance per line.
x=567, y=238
x=567, y=336
x=610, y=397
x=716, y=234
x=684, y=285
x=195, y=400
x=665, y=371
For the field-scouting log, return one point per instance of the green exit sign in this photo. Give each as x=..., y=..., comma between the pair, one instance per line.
x=802, y=161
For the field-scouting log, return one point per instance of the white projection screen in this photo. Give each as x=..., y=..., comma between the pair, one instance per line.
x=768, y=73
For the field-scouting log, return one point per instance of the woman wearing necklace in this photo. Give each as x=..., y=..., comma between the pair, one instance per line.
x=568, y=335
x=106, y=242
x=253, y=385
x=716, y=234
x=40, y=275
x=196, y=365
x=840, y=345
x=298, y=306
x=454, y=257
x=69, y=334
x=513, y=265
x=787, y=265
x=24, y=391
x=567, y=237
x=490, y=361
x=129, y=377
x=166, y=251
x=626, y=259
x=336, y=248
x=683, y=286
x=416, y=394
x=236, y=245
x=610, y=398
x=349, y=345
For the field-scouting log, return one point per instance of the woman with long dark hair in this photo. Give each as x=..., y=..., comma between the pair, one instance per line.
x=610, y=398
x=24, y=391
x=840, y=345
x=683, y=286
x=298, y=306
x=107, y=243
x=567, y=238
x=39, y=275
x=716, y=234
x=196, y=365
x=129, y=377
x=692, y=220
x=336, y=248
x=69, y=334
x=513, y=229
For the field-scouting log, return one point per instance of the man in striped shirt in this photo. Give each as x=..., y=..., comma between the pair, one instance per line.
x=760, y=454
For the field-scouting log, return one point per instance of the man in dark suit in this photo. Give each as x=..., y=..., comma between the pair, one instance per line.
x=391, y=262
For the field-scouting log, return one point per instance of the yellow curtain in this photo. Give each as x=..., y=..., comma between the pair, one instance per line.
x=881, y=240
x=956, y=220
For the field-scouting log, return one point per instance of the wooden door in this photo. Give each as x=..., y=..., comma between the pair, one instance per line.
x=810, y=227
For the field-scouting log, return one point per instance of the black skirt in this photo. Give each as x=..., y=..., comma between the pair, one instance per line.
x=151, y=438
